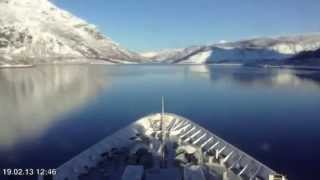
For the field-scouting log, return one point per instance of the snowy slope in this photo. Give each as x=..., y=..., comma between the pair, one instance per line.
x=172, y=55
x=37, y=29
x=252, y=50
x=198, y=58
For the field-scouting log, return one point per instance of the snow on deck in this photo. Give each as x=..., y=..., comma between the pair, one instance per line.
x=216, y=157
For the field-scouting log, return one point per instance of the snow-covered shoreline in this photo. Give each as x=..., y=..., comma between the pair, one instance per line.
x=16, y=66
x=101, y=62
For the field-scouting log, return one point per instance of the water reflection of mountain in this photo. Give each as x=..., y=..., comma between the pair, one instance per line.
x=313, y=75
x=32, y=99
x=264, y=77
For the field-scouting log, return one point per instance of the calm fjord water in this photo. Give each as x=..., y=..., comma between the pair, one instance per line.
x=48, y=114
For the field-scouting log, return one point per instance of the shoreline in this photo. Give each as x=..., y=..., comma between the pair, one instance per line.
x=266, y=66
x=7, y=66
x=299, y=67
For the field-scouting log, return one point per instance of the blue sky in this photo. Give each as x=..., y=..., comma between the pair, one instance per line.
x=146, y=25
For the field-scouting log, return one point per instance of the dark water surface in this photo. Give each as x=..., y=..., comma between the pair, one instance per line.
x=48, y=114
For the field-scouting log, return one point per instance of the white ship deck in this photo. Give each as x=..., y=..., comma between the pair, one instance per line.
x=163, y=146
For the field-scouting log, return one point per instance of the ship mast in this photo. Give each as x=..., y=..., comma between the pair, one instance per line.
x=162, y=109
x=162, y=120
x=162, y=132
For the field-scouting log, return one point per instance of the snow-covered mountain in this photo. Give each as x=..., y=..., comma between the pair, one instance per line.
x=33, y=31
x=245, y=51
x=38, y=30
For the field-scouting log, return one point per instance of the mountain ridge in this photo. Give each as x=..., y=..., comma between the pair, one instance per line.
x=243, y=51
